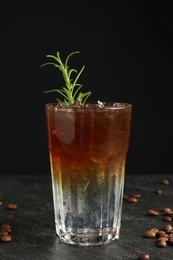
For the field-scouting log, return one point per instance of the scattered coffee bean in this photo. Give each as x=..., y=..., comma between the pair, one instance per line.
x=3, y=233
x=167, y=218
x=163, y=238
x=144, y=256
x=153, y=212
x=131, y=199
x=165, y=181
x=155, y=230
x=167, y=228
x=163, y=235
x=137, y=195
x=160, y=233
x=12, y=206
x=167, y=211
x=149, y=234
x=6, y=227
x=6, y=238
x=161, y=243
x=158, y=191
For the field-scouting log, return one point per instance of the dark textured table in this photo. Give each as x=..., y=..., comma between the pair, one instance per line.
x=33, y=231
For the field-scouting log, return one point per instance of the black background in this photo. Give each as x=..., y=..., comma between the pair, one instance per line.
x=128, y=57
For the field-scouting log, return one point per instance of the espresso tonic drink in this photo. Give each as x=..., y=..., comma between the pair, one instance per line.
x=87, y=148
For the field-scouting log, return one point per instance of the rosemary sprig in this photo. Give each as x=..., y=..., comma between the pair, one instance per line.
x=70, y=92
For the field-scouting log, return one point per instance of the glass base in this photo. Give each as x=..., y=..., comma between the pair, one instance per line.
x=88, y=236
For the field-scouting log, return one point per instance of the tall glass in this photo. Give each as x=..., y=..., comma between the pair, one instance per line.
x=87, y=148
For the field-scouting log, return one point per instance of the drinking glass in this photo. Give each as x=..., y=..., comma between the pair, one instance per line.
x=87, y=149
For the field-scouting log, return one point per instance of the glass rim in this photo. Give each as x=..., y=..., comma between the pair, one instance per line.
x=90, y=105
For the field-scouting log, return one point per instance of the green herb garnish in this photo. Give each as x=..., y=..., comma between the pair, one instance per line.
x=70, y=91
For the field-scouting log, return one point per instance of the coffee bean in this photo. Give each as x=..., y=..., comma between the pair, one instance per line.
x=158, y=191
x=161, y=243
x=155, y=230
x=163, y=238
x=6, y=238
x=137, y=195
x=167, y=211
x=165, y=181
x=3, y=233
x=131, y=199
x=144, y=256
x=6, y=227
x=167, y=218
x=167, y=228
x=163, y=235
x=12, y=206
x=160, y=233
x=149, y=234
x=153, y=212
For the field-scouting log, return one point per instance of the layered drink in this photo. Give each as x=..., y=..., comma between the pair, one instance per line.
x=87, y=148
